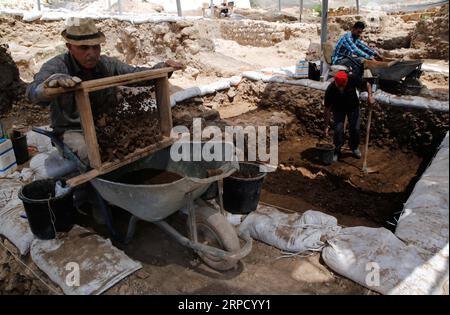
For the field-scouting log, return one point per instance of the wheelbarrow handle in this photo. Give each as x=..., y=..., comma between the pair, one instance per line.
x=206, y=249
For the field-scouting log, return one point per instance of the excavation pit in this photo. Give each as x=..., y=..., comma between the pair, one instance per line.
x=402, y=143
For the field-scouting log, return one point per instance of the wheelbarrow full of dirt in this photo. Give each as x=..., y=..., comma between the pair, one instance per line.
x=210, y=234
x=399, y=76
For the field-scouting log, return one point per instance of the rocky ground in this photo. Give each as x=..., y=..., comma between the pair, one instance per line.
x=402, y=141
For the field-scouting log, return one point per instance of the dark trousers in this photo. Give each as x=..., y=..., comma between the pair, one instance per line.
x=354, y=128
x=355, y=64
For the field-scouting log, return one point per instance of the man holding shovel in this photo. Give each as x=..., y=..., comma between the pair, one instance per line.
x=342, y=100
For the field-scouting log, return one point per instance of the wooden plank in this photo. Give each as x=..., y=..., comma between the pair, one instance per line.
x=136, y=155
x=164, y=108
x=87, y=122
x=111, y=166
x=83, y=178
x=124, y=78
x=99, y=84
x=106, y=86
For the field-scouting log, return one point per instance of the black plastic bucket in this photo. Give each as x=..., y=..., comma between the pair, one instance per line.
x=20, y=147
x=241, y=191
x=47, y=213
x=325, y=153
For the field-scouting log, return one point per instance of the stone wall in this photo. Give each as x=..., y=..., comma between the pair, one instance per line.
x=431, y=35
x=264, y=34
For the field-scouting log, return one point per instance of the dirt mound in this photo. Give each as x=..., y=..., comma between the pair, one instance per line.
x=11, y=87
x=431, y=35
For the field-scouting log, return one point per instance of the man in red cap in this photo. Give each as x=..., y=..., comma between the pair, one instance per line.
x=342, y=100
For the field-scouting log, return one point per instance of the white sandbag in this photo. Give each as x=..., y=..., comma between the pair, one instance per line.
x=14, y=226
x=41, y=142
x=377, y=259
x=25, y=175
x=31, y=16
x=9, y=189
x=50, y=165
x=434, y=68
x=214, y=87
x=81, y=262
x=37, y=165
x=255, y=76
x=184, y=95
x=235, y=80
x=424, y=221
x=290, y=232
x=408, y=101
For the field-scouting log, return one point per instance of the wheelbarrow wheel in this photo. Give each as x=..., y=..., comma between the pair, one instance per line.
x=213, y=229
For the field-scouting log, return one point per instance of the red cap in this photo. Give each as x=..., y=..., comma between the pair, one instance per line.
x=341, y=78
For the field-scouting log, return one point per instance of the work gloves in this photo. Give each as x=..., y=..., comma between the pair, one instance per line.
x=61, y=80
x=41, y=91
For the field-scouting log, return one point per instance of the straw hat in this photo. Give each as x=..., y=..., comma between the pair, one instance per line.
x=82, y=31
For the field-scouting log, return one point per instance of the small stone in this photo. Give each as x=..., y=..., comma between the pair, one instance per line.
x=141, y=274
x=231, y=93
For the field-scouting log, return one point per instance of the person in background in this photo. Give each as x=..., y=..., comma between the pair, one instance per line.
x=351, y=51
x=342, y=101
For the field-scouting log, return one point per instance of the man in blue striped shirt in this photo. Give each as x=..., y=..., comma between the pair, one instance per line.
x=351, y=51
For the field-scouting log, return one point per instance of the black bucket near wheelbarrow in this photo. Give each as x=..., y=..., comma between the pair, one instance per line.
x=325, y=152
x=46, y=213
x=241, y=191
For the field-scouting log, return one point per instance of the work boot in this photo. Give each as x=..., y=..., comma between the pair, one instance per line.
x=356, y=153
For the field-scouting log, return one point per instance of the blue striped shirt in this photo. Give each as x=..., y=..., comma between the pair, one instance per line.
x=348, y=46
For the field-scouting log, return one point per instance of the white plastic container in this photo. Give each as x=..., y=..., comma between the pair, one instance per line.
x=301, y=69
x=8, y=162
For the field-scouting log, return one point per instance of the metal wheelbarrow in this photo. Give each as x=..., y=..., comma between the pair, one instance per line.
x=211, y=236
x=400, y=77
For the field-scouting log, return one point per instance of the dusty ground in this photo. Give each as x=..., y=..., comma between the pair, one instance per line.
x=402, y=142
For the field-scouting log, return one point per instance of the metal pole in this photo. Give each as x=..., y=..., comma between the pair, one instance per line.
x=323, y=30
x=301, y=10
x=357, y=7
x=279, y=5
x=109, y=5
x=38, y=2
x=119, y=2
x=179, y=8
x=211, y=6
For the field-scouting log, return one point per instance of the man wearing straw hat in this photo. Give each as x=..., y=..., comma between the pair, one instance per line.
x=82, y=61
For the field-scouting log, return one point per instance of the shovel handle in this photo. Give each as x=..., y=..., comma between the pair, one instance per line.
x=366, y=146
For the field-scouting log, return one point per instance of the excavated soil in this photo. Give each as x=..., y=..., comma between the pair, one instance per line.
x=402, y=142
x=149, y=176
x=132, y=124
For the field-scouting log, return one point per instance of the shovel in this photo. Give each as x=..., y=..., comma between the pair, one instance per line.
x=365, y=169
